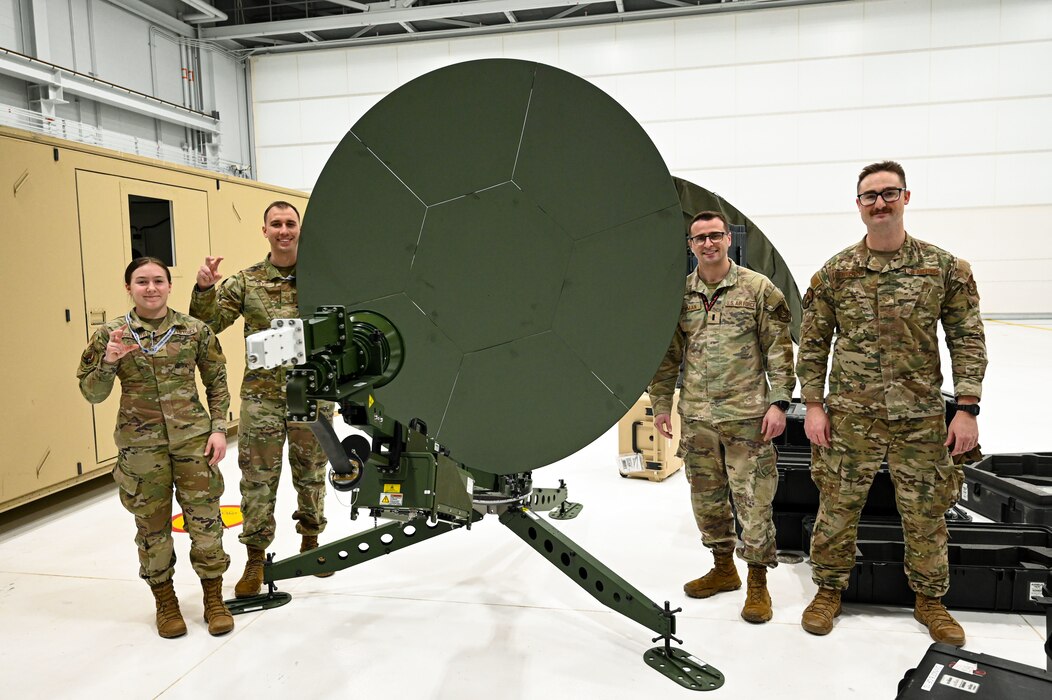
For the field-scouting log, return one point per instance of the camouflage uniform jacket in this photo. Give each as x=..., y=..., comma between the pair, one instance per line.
x=260, y=294
x=731, y=350
x=886, y=355
x=159, y=400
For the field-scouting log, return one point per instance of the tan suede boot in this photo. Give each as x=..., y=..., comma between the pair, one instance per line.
x=252, y=580
x=931, y=613
x=311, y=542
x=170, y=621
x=217, y=615
x=818, y=616
x=722, y=577
x=757, y=600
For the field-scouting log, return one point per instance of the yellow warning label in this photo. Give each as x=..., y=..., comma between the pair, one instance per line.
x=392, y=488
x=385, y=501
x=231, y=516
x=371, y=401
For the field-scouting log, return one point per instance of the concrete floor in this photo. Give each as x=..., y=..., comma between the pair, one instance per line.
x=474, y=614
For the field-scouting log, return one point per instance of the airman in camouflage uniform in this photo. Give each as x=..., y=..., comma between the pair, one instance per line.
x=733, y=336
x=261, y=293
x=164, y=437
x=883, y=298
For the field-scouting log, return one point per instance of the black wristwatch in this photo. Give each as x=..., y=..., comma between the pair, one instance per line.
x=784, y=405
x=972, y=408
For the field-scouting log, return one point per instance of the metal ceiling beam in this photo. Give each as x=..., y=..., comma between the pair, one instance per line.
x=352, y=4
x=33, y=71
x=379, y=16
x=384, y=15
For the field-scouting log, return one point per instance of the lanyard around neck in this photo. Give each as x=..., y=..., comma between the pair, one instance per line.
x=157, y=344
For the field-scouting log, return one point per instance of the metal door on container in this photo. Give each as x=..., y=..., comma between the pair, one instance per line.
x=107, y=205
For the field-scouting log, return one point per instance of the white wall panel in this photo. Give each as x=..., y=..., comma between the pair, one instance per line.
x=277, y=123
x=322, y=73
x=826, y=187
x=703, y=144
x=648, y=96
x=1023, y=69
x=10, y=32
x=896, y=78
x=705, y=41
x=833, y=83
x=324, y=121
x=967, y=181
x=1024, y=125
x=895, y=132
x=1026, y=20
x=767, y=87
x=275, y=78
x=415, y=59
x=963, y=22
x=373, y=69
x=963, y=127
x=282, y=165
x=588, y=51
x=766, y=36
x=542, y=47
x=59, y=41
x=830, y=136
x=644, y=46
x=835, y=29
x=125, y=62
x=491, y=46
x=896, y=25
x=1022, y=178
x=705, y=92
x=13, y=92
x=167, y=68
x=766, y=189
x=765, y=140
x=961, y=74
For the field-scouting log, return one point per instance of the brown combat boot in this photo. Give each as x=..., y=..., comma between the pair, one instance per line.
x=252, y=580
x=170, y=621
x=217, y=615
x=757, y=600
x=722, y=577
x=931, y=613
x=311, y=542
x=818, y=616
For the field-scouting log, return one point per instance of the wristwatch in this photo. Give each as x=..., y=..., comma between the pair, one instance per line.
x=784, y=405
x=972, y=408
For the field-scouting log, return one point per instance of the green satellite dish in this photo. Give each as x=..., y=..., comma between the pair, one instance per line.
x=523, y=234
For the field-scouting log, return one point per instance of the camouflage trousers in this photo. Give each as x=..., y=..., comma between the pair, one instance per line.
x=926, y=484
x=261, y=438
x=725, y=460
x=146, y=477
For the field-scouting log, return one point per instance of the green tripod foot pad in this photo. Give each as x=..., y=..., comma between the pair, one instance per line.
x=238, y=606
x=566, y=511
x=682, y=667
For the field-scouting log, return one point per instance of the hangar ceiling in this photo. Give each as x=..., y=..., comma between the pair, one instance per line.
x=268, y=26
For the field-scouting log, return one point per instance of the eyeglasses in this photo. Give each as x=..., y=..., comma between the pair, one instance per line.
x=891, y=194
x=701, y=238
